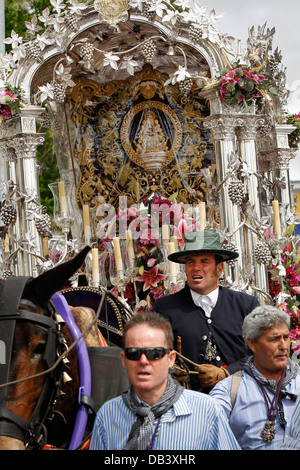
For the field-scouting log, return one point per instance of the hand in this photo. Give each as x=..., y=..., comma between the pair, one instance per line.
x=210, y=375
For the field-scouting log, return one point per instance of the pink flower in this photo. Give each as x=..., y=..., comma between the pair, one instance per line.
x=231, y=77
x=283, y=306
x=254, y=77
x=246, y=73
x=151, y=262
x=157, y=292
x=269, y=233
x=150, y=278
x=241, y=97
x=183, y=227
x=223, y=91
x=6, y=112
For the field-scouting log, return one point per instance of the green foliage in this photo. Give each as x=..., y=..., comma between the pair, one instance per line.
x=17, y=12
x=49, y=171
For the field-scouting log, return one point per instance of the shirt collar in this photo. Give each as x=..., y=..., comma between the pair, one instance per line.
x=213, y=296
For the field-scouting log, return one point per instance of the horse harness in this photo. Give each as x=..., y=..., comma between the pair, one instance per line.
x=31, y=432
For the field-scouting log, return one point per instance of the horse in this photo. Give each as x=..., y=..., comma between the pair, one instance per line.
x=46, y=379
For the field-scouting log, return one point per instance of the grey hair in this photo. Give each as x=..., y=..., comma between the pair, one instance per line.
x=263, y=318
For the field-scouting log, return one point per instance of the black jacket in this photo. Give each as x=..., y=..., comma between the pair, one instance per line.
x=225, y=326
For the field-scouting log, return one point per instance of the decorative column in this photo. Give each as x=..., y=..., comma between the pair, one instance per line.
x=22, y=140
x=281, y=164
x=25, y=148
x=246, y=144
x=222, y=128
x=12, y=263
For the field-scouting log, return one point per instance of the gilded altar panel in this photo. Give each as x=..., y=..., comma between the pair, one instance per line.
x=138, y=136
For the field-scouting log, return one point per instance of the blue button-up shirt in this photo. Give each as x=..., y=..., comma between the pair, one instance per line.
x=249, y=414
x=194, y=422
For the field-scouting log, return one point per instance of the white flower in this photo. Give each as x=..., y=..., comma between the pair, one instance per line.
x=111, y=60
x=184, y=4
x=77, y=7
x=214, y=17
x=46, y=92
x=180, y=74
x=55, y=21
x=18, y=53
x=14, y=40
x=195, y=14
x=58, y=5
x=45, y=16
x=171, y=16
x=136, y=4
x=129, y=63
x=158, y=6
x=5, y=62
x=43, y=40
x=226, y=42
x=64, y=75
x=32, y=25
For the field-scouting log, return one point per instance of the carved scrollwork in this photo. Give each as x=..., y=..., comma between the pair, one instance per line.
x=134, y=137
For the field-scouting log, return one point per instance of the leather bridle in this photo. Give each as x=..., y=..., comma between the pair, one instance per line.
x=32, y=432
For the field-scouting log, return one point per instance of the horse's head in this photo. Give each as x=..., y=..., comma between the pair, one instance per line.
x=32, y=337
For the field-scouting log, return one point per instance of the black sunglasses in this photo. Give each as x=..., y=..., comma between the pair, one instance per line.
x=152, y=354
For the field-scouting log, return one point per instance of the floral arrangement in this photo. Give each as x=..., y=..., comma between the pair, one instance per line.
x=284, y=283
x=294, y=137
x=9, y=102
x=151, y=264
x=238, y=85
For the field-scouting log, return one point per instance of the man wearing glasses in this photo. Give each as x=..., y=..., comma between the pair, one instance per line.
x=157, y=413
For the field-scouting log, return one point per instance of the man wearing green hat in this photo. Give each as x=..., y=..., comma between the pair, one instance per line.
x=207, y=318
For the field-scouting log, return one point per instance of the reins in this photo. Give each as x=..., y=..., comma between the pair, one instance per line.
x=33, y=433
x=62, y=356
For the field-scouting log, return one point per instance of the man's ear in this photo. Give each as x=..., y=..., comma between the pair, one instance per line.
x=172, y=358
x=123, y=358
x=220, y=269
x=251, y=344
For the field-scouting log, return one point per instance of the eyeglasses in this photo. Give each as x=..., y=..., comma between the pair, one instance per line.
x=152, y=354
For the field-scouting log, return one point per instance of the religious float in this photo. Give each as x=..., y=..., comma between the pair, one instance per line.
x=160, y=125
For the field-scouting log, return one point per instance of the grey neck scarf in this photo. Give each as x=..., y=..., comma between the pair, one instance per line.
x=141, y=431
x=291, y=372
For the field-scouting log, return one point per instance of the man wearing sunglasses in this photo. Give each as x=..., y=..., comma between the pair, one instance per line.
x=157, y=413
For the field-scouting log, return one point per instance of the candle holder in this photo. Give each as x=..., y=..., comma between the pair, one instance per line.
x=62, y=209
x=117, y=276
x=173, y=283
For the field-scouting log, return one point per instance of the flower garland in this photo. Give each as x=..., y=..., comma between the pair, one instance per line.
x=9, y=102
x=150, y=254
x=284, y=283
x=238, y=85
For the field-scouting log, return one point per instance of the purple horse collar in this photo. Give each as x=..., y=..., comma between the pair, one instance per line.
x=85, y=376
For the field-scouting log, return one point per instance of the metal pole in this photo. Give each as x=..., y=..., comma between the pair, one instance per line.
x=2, y=26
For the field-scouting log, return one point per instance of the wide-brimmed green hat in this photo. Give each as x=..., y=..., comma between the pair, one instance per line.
x=202, y=242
